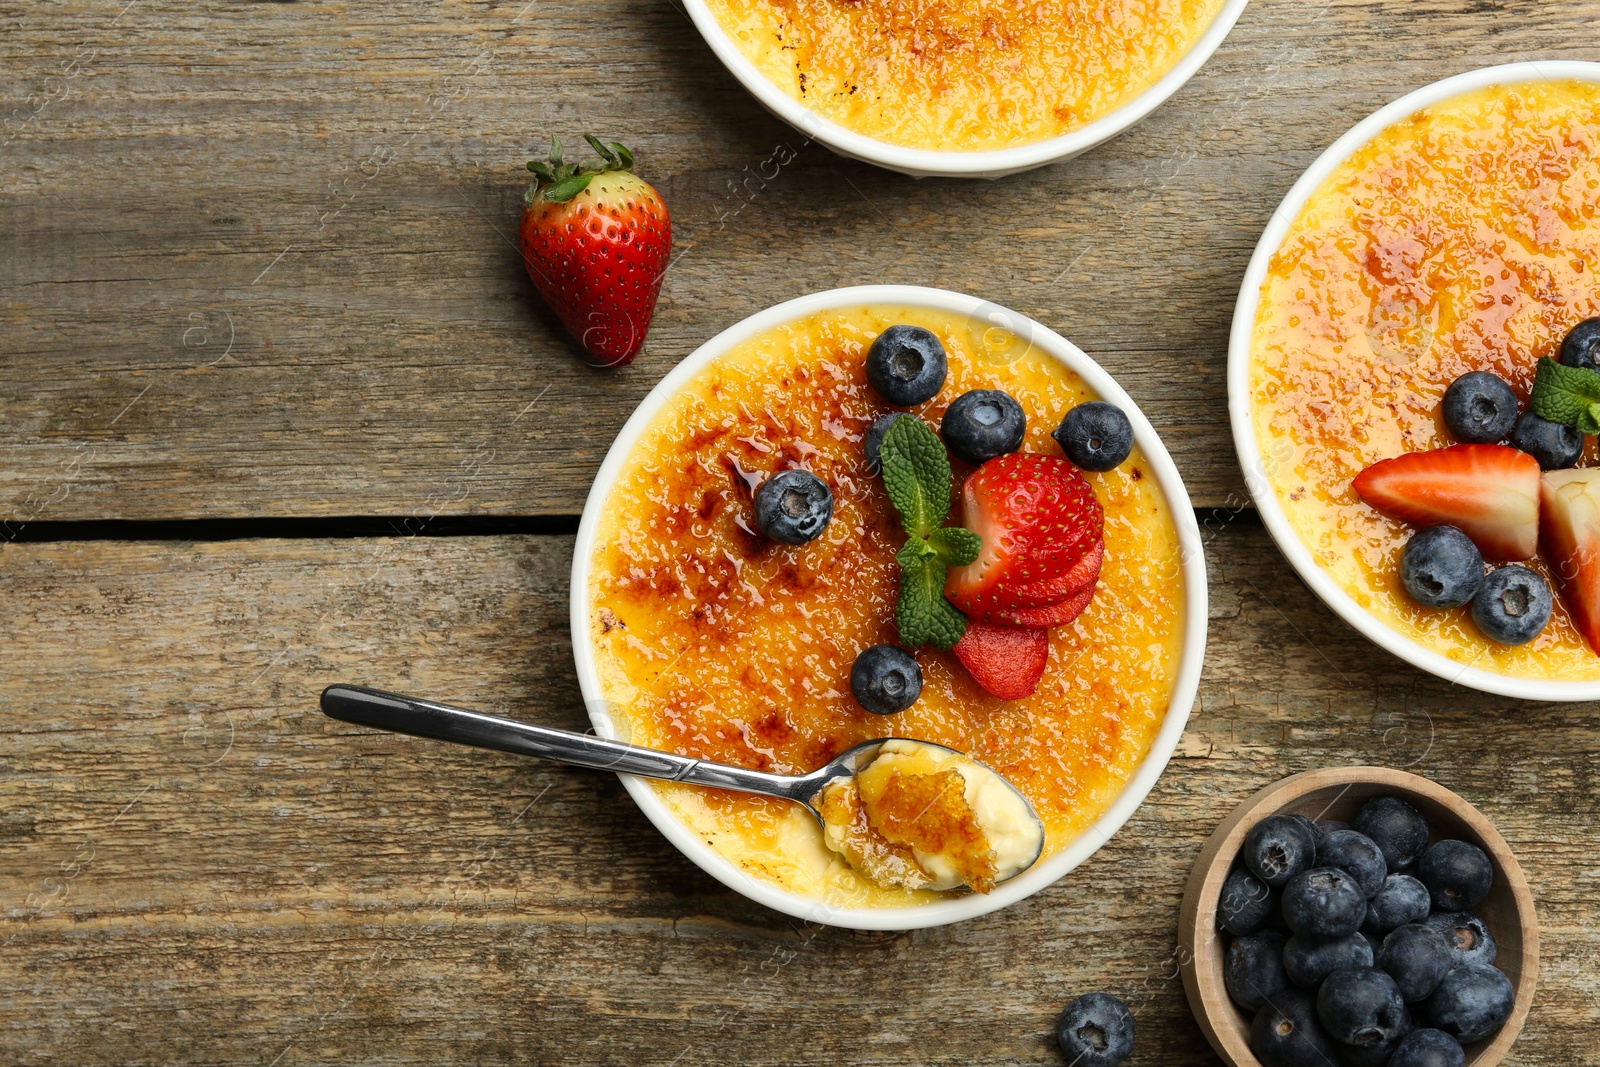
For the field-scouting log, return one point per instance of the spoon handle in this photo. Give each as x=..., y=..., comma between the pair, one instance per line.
x=441, y=722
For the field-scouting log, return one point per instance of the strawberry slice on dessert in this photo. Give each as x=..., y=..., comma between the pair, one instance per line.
x=1037, y=518
x=1061, y=613
x=1491, y=492
x=1569, y=502
x=1007, y=661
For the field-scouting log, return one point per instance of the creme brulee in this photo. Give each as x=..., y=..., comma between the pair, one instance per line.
x=1464, y=238
x=964, y=75
x=711, y=641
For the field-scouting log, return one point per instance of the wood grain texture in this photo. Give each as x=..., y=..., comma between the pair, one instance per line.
x=258, y=258
x=197, y=867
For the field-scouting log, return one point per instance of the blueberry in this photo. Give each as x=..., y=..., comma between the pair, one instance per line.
x=1324, y=902
x=1402, y=900
x=1377, y=1055
x=793, y=507
x=1553, y=444
x=1395, y=827
x=1286, y=1033
x=885, y=679
x=1311, y=828
x=1095, y=1031
x=983, y=424
x=1252, y=970
x=1308, y=960
x=1480, y=408
x=1328, y=826
x=1471, y=1003
x=1440, y=567
x=1246, y=903
x=1468, y=936
x=1581, y=346
x=1428, y=1048
x=1277, y=848
x=906, y=365
x=874, y=440
x=1458, y=875
x=1416, y=957
x=1354, y=853
x=1096, y=436
x=1361, y=1006
x=1513, y=606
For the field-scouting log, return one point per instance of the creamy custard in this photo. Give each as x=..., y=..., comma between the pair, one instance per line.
x=923, y=817
x=964, y=75
x=713, y=642
x=1464, y=238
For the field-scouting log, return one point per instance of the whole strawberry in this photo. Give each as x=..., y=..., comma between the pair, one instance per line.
x=596, y=241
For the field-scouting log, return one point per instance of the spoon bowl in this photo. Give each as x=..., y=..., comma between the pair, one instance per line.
x=443, y=722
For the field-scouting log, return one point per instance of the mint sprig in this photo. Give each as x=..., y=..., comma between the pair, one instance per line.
x=916, y=473
x=1568, y=395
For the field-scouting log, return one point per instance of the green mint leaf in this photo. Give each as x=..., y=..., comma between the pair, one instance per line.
x=916, y=472
x=1568, y=395
x=914, y=553
x=954, y=546
x=923, y=615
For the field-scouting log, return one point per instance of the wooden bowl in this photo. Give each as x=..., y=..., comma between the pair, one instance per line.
x=1336, y=793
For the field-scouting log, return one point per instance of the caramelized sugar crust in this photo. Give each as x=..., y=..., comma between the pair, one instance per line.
x=713, y=642
x=964, y=75
x=1462, y=239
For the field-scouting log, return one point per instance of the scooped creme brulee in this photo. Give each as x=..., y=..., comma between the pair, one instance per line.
x=964, y=75
x=1395, y=348
x=746, y=603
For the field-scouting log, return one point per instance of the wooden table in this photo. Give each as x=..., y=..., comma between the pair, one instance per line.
x=260, y=307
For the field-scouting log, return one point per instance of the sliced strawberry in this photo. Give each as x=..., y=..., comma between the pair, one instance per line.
x=1059, y=614
x=1082, y=576
x=1490, y=491
x=1570, y=531
x=1006, y=661
x=1037, y=517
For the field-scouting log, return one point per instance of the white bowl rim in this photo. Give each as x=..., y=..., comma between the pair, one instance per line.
x=1185, y=686
x=1244, y=317
x=991, y=163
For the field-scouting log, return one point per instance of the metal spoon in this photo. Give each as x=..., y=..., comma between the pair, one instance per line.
x=442, y=722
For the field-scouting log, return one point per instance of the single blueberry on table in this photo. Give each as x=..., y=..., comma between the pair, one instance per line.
x=1458, y=875
x=1308, y=960
x=1471, y=1003
x=1402, y=900
x=906, y=365
x=983, y=424
x=885, y=679
x=1277, y=848
x=793, y=507
x=1480, y=408
x=1395, y=827
x=1581, y=346
x=1286, y=1033
x=1095, y=1030
x=1246, y=903
x=1361, y=1007
x=1440, y=567
x=1096, y=436
x=1556, y=446
x=1468, y=935
x=1324, y=902
x=1357, y=855
x=1428, y=1048
x=1252, y=969
x=1416, y=957
x=1513, y=606
x=872, y=447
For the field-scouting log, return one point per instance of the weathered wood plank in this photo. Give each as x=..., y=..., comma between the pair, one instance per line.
x=257, y=259
x=197, y=867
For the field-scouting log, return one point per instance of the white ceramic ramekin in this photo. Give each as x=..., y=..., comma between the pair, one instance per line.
x=927, y=163
x=983, y=316
x=1239, y=410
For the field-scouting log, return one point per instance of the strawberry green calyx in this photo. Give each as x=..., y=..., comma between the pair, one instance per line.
x=560, y=181
x=916, y=474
